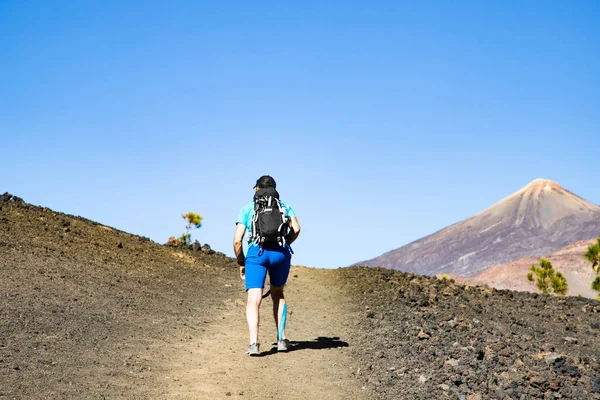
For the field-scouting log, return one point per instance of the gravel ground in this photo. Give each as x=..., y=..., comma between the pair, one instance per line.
x=424, y=338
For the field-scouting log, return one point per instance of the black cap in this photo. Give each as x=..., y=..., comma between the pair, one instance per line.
x=265, y=181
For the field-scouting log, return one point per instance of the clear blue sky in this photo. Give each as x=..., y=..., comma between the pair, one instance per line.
x=381, y=121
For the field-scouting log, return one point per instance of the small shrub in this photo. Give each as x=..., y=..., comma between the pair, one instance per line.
x=593, y=255
x=194, y=220
x=559, y=283
x=596, y=284
x=547, y=279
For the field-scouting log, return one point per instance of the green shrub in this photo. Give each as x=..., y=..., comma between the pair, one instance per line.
x=596, y=284
x=593, y=255
x=547, y=279
x=194, y=220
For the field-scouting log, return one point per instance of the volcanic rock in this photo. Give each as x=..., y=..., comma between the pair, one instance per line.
x=505, y=344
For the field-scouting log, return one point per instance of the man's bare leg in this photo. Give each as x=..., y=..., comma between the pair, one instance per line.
x=252, y=315
x=278, y=302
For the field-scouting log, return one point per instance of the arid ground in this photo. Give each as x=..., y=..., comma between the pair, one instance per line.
x=90, y=312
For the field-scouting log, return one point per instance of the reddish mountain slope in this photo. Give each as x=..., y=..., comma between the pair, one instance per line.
x=568, y=260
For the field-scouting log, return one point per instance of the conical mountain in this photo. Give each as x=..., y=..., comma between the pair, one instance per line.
x=539, y=218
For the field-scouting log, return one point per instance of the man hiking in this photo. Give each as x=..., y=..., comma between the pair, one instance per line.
x=272, y=226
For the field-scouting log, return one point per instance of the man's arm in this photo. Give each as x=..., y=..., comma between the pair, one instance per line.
x=238, y=247
x=294, y=231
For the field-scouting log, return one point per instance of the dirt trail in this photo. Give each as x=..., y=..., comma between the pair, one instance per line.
x=87, y=311
x=318, y=366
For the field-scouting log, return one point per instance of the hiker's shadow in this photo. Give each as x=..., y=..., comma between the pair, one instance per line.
x=317, y=344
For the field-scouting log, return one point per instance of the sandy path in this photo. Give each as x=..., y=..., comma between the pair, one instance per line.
x=319, y=367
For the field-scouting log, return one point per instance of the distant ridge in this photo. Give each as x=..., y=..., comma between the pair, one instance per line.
x=538, y=219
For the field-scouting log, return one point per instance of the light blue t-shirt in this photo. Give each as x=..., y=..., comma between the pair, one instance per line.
x=247, y=213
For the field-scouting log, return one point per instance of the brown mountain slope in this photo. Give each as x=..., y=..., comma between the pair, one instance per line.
x=568, y=260
x=539, y=218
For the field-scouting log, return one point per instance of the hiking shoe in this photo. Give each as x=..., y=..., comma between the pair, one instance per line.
x=283, y=345
x=254, y=349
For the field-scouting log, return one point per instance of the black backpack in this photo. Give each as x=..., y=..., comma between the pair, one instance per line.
x=270, y=224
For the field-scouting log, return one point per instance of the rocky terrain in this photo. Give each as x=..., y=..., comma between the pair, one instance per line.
x=424, y=338
x=87, y=311
x=540, y=218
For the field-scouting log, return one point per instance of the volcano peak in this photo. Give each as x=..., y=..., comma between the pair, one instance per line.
x=537, y=219
x=541, y=182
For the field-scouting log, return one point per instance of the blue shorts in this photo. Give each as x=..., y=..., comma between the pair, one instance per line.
x=276, y=260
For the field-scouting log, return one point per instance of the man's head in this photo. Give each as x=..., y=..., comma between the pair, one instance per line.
x=264, y=182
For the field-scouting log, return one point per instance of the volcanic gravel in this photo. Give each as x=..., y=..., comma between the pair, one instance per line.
x=425, y=338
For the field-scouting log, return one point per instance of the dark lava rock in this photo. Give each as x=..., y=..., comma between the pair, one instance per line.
x=206, y=249
x=483, y=343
